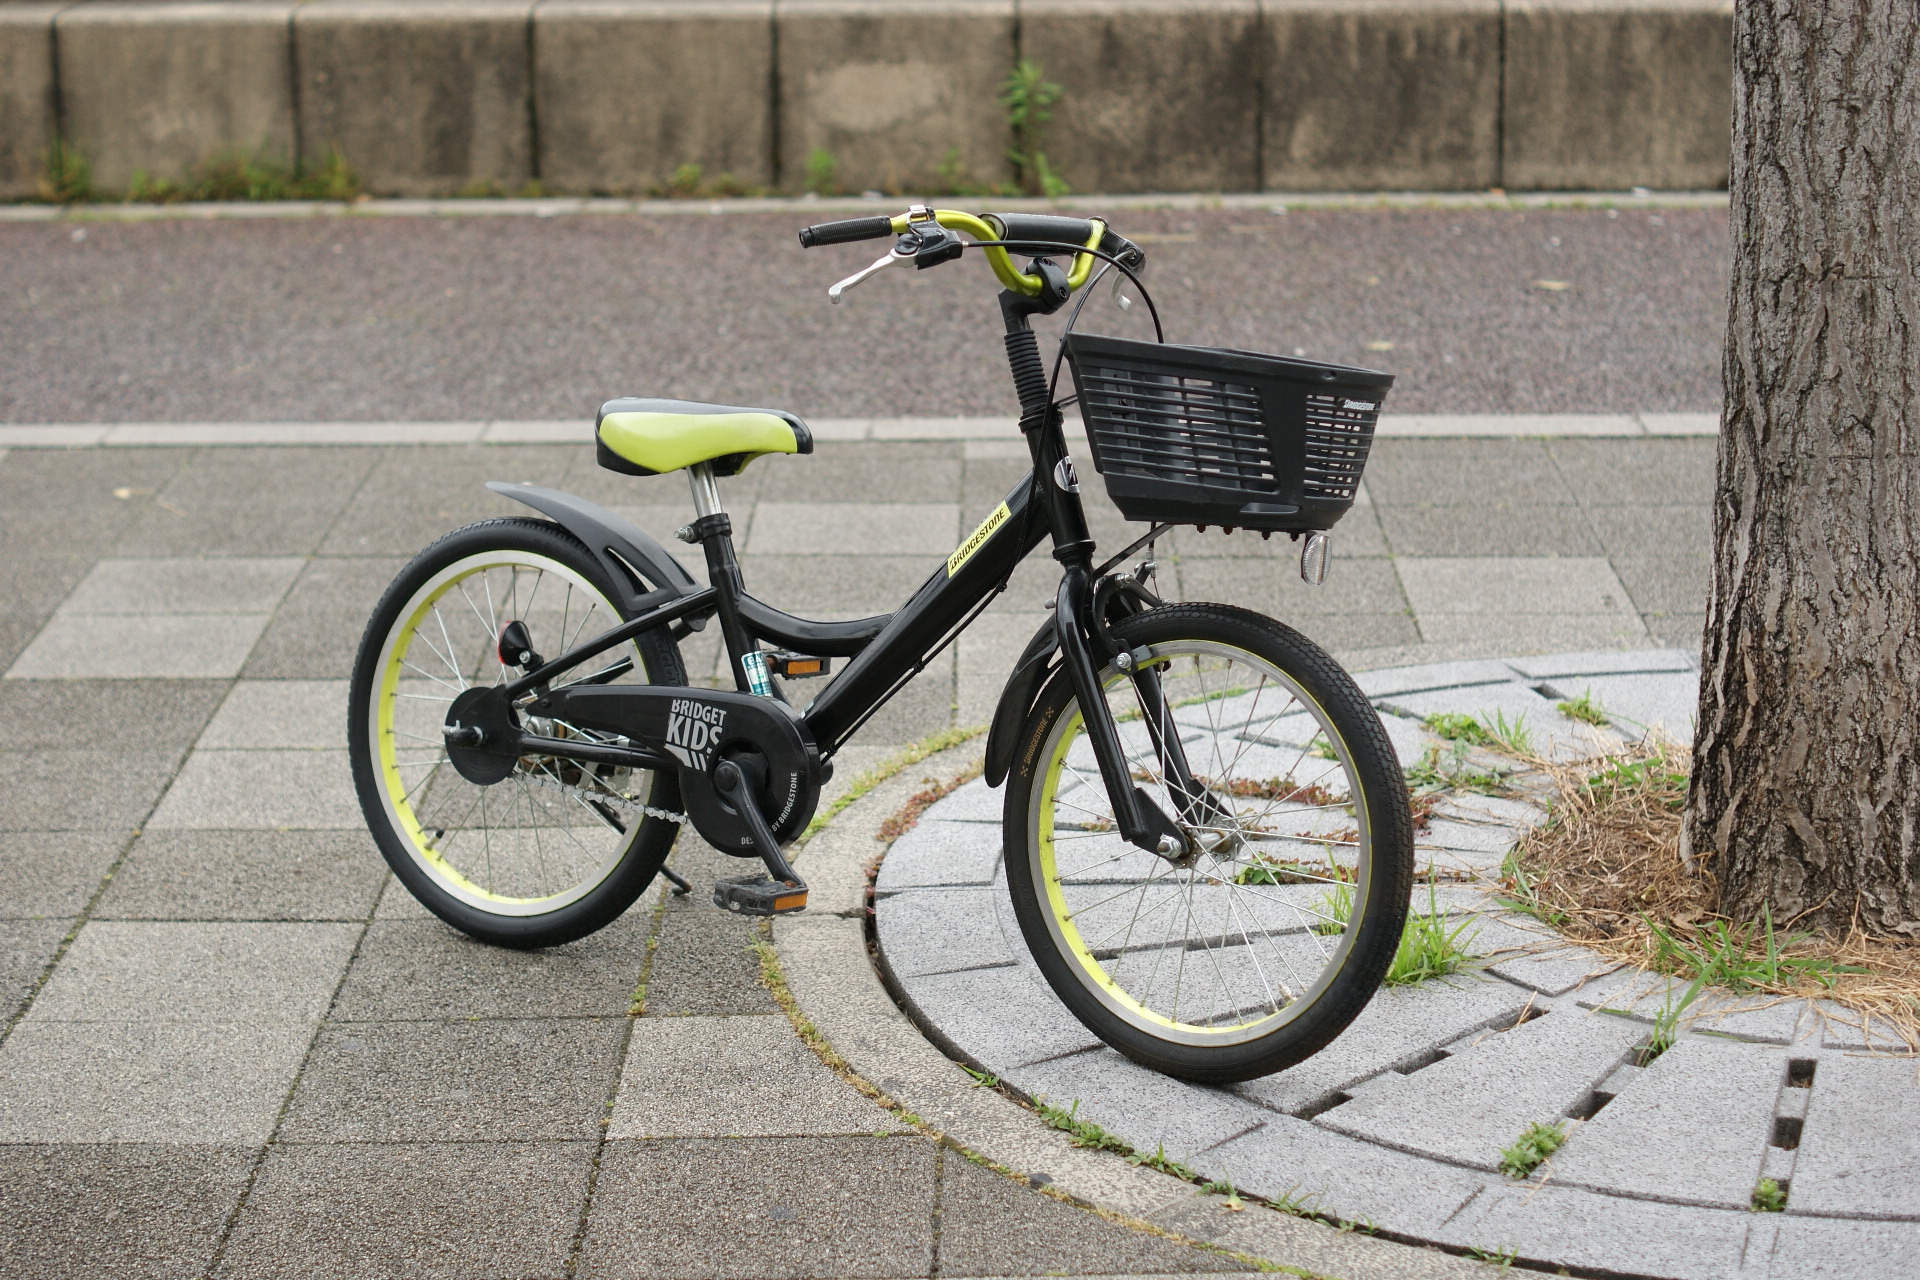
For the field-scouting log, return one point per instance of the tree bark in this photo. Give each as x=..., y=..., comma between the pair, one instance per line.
x=1806, y=785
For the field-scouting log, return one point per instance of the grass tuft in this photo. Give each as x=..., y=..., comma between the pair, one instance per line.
x=1583, y=708
x=1428, y=948
x=1531, y=1149
x=1084, y=1133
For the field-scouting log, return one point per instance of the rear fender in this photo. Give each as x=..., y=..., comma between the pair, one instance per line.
x=639, y=567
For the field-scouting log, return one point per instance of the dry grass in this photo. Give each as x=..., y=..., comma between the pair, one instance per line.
x=1606, y=871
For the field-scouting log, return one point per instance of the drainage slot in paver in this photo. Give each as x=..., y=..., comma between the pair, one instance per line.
x=1800, y=1073
x=1426, y=1059
x=1589, y=1107
x=1529, y=1013
x=1786, y=1132
x=1320, y=1106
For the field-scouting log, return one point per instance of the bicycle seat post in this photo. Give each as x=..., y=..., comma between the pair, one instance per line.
x=713, y=530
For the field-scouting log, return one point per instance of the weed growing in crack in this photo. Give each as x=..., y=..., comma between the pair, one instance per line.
x=1535, y=1143
x=981, y=1079
x=1501, y=1258
x=1769, y=1197
x=1084, y=1133
x=1029, y=98
x=1165, y=1164
x=1428, y=948
x=1456, y=727
x=1583, y=708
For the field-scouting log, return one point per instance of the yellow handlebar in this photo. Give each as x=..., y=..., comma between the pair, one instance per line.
x=1011, y=276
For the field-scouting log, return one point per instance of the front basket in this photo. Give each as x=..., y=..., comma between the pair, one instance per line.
x=1208, y=436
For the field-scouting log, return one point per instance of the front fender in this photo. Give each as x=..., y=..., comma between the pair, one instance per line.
x=1029, y=673
x=634, y=562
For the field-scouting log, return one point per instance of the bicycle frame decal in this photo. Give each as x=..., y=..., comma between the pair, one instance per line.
x=977, y=539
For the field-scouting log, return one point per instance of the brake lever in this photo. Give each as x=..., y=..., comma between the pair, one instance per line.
x=894, y=258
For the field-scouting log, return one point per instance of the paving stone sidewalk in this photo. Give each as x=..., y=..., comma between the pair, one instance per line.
x=1400, y=1122
x=232, y=1047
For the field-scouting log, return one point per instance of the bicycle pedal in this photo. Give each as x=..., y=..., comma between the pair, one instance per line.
x=759, y=895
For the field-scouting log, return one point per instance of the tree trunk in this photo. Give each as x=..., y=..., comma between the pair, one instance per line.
x=1806, y=786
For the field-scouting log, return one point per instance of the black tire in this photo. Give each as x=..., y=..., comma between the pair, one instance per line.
x=1253, y=914
x=554, y=851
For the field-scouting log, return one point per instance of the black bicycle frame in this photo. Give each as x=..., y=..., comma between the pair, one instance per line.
x=886, y=652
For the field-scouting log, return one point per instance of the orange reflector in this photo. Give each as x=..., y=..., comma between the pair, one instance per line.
x=791, y=901
x=804, y=666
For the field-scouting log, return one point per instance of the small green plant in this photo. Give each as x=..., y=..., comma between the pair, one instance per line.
x=66, y=177
x=1265, y=870
x=1511, y=737
x=1084, y=1133
x=1582, y=708
x=685, y=181
x=1320, y=749
x=1334, y=910
x=1223, y=1187
x=1029, y=98
x=1300, y=1204
x=1666, y=1027
x=1501, y=1258
x=1164, y=1163
x=1654, y=772
x=820, y=172
x=1456, y=727
x=1769, y=1197
x=1743, y=958
x=1428, y=947
x=981, y=1079
x=1535, y=1143
x=1433, y=771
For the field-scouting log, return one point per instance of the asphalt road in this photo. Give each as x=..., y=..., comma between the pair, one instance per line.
x=520, y=317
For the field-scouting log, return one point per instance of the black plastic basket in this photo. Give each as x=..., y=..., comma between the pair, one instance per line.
x=1207, y=436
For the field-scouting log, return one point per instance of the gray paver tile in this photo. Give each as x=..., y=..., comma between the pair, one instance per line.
x=264, y=502
x=63, y=791
x=492, y=1080
x=912, y=473
x=841, y=1207
x=1553, y=972
x=974, y=802
x=1839, y=1249
x=942, y=931
x=1358, y=1181
x=1393, y=682
x=1519, y=704
x=941, y=854
x=146, y=1082
x=1604, y=662
x=1504, y=530
x=423, y=969
x=892, y=528
x=25, y=948
x=308, y=789
x=1452, y=586
x=1666, y=584
x=1150, y=1111
x=411, y=497
x=1354, y=586
x=125, y=1210
x=1397, y=1028
x=250, y=875
x=145, y=971
x=1643, y=529
x=55, y=714
x=1514, y=632
x=1857, y=1150
x=316, y=630
x=999, y=1018
x=1466, y=1108
x=280, y=713
x=1309, y=1245
x=184, y=586
x=52, y=873
x=1690, y=1129
x=134, y=646
x=993, y=1226
x=1676, y=628
x=1607, y=1234
x=1665, y=701
x=445, y=1211
x=1611, y=472
x=745, y=1076
x=704, y=961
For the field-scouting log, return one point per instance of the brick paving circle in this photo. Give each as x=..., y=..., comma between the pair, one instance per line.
x=1400, y=1122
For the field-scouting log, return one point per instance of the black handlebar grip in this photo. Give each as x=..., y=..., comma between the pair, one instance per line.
x=846, y=232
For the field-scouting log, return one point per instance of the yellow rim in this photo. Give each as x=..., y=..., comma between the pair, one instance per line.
x=394, y=790
x=1061, y=917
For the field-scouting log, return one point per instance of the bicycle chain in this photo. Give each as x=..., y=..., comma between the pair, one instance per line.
x=616, y=798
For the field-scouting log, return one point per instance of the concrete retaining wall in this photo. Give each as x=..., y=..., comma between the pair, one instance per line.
x=435, y=97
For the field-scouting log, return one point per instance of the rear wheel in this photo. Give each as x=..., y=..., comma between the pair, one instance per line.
x=555, y=849
x=1269, y=933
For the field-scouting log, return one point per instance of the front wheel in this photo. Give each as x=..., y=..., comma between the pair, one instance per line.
x=554, y=849
x=1259, y=942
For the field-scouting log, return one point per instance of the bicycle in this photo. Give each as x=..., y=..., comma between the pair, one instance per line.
x=1206, y=832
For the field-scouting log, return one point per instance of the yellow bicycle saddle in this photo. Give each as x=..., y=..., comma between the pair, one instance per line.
x=651, y=437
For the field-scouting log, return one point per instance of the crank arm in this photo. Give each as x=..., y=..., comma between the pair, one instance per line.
x=730, y=781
